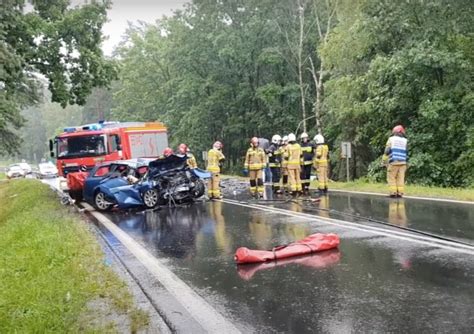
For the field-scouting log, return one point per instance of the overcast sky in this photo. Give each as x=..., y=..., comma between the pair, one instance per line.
x=124, y=11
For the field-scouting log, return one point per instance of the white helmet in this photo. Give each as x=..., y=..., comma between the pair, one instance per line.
x=304, y=135
x=319, y=139
x=276, y=139
x=291, y=137
x=285, y=139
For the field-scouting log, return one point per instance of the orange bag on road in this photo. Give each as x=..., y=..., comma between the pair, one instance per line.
x=313, y=243
x=316, y=261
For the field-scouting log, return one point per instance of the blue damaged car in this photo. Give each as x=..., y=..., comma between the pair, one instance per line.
x=167, y=181
x=110, y=175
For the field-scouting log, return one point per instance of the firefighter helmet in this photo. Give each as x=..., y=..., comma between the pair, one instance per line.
x=276, y=139
x=319, y=139
x=285, y=139
x=168, y=151
x=217, y=145
x=183, y=148
x=291, y=137
x=304, y=135
x=398, y=129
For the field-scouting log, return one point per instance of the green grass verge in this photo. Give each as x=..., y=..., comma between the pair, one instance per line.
x=3, y=176
x=52, y=270
x=410, y=190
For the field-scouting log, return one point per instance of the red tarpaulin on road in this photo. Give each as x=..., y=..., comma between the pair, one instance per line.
x=313, y=243
x=315, y=261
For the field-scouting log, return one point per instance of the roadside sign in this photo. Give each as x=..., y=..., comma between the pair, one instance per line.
x=346, y=152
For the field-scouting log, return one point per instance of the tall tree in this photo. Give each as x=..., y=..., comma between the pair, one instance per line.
x=48, y=39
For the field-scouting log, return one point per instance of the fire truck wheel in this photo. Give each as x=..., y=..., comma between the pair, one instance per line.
x=101, y=203
x=150, y=198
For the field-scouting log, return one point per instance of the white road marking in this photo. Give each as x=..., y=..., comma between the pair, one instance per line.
x=411, y=197
x=208, y=317
x=444, y=244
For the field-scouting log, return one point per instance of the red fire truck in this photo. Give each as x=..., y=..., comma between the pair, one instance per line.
x=106, y=141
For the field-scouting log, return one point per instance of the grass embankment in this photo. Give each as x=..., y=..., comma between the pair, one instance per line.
x=3, y=176
x=53, y=276
x=410, y=190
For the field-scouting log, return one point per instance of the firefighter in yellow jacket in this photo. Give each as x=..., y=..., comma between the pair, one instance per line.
x=183, y=150
x=215, y=157
x=255, y=161
x=321, y=163
x=292, y=155
x=284, y=164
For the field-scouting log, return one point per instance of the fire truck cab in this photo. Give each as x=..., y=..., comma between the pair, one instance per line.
x=89, y=144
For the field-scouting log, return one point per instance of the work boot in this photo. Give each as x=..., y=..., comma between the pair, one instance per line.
x=325, y=190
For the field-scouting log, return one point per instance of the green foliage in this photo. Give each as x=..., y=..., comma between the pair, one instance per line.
x=410, y=64
x=214, y=71
x=228, y=70
x=50, y=40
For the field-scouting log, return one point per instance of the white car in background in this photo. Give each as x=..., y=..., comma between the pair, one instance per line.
x=47, y=169
x=14, y=171
x=26, y=167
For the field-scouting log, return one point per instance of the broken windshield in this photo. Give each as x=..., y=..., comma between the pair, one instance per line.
x=81, y=146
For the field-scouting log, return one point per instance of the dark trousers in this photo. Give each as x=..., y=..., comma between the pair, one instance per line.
x=275, y=178
x=305, y=176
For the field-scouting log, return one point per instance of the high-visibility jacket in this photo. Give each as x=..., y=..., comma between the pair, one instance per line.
x=293, y=155
x=321, y=156
x=214, y=159
x=396, y=150
x=255, y=159
x=191, y=161
x=274, y=156
x=284, y=160
x=308, y=153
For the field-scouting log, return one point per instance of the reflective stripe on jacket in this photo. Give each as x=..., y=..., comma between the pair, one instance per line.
x=293, y=155
x=191, y=161
x=274, y=156
x=214, y=157
x=255, y=159
x=396, y=149
x=321, y=156
x=308, y=153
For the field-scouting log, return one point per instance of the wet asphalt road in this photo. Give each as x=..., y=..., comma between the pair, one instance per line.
x=373, y=283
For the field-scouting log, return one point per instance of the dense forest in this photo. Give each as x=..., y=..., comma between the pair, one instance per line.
x=349, y=69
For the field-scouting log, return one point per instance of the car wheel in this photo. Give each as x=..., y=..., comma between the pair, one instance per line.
x=150, y=198
x=101, y=203
x=199, y=188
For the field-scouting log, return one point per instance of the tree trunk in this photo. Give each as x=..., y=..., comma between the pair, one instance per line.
x=300, y=62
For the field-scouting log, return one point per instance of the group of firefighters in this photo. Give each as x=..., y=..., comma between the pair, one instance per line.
x=291, y=163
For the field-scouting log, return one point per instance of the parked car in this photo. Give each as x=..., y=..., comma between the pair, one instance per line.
x=26, y=167
x=109, y=175
x=47, y=169
x=14, y=171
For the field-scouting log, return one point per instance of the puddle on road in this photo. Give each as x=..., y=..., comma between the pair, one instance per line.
x=369, y=283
